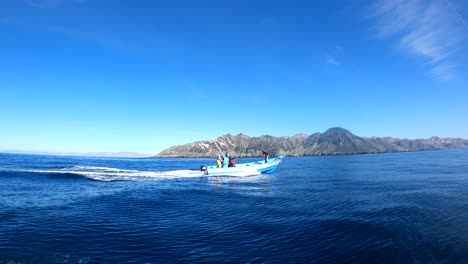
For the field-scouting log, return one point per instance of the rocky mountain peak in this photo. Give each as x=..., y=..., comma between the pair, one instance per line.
x=301, y=136
x=337, y=131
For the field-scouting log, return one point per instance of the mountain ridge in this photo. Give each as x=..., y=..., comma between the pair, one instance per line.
x=334, y=141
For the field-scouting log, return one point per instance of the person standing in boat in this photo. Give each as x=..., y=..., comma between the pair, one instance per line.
x=266, y=155
x=226, y=160
x=232, y=163
x=219, y=161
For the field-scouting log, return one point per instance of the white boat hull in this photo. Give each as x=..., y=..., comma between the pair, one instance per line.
x=246, y=169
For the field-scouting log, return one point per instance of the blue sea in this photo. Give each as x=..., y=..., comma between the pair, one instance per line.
x=383, y=208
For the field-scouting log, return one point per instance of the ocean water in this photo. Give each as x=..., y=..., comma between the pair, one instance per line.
x=384, y=208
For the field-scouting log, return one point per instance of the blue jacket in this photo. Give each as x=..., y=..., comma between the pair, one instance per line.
x=225, y=161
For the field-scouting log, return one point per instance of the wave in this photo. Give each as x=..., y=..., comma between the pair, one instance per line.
x=115, y=174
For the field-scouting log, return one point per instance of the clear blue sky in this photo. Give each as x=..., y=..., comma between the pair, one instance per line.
x=97, y=75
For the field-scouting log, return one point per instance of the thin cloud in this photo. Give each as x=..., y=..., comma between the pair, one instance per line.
x=455, y=10
x=332, y=56
x=332, y=61
x=50, y=4
x=443, y=71
x=429, y=29
x=92, y=36
x=43, y=4
x=266, y=21
x=44, y=20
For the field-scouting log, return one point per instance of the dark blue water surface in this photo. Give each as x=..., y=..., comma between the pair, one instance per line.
x=385, y=208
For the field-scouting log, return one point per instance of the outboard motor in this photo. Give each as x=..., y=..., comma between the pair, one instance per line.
x=203, y=168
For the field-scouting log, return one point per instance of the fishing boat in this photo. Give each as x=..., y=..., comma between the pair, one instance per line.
x=244, y=169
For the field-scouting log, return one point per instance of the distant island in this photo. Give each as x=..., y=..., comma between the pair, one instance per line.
x=335, y=141
x=126, y=154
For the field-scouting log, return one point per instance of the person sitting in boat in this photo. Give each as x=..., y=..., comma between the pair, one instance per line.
x=219, y=161
x=266, y=155
x=232, y=163
x=226, y=160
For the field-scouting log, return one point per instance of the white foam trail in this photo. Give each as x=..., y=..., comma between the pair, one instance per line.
x=114, y=174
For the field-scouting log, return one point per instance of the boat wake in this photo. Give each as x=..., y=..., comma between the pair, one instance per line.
x=115, y=174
